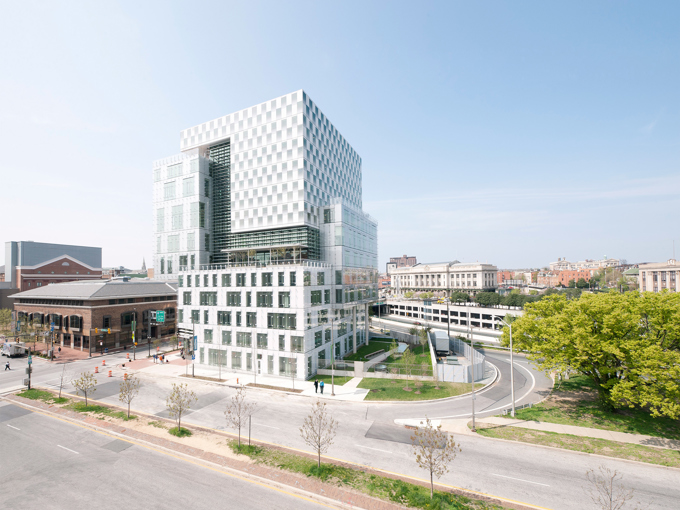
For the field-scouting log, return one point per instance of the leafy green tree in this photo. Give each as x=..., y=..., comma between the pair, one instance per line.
x=581, y=283
x=572, y=284
x=460, y=297
x=408, y=294
x=5, y=318
x=627, y=344
x=488, y=299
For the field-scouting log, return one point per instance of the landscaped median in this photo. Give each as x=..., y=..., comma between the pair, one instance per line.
x=394, y=389
x=348, y=484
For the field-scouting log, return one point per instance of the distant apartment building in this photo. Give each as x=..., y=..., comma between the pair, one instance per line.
x=29, y=265
x=564, y=265
x=565, y=277
x=504, y=276
x=548, y=279
x=403, y=261
x=658, y=276
x=448, y=276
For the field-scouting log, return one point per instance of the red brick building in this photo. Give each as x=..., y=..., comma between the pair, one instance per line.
x=99, y=314
x=566, y=276
x=58, y=270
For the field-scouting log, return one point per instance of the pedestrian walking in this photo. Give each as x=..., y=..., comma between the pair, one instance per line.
x=7, y=366
x=316, y=386
x=59, y=349
x=321, y=385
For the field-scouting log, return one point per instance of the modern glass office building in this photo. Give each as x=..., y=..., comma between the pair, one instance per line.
x=259, y=219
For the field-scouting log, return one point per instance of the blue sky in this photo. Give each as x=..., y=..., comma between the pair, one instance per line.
x=507, y=132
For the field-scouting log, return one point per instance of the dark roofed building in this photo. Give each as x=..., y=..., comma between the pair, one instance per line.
x=93, y=315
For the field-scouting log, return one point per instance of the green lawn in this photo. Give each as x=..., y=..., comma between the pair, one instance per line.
x=393, y=389
x=575, y=403
x=101, y=410
x=45, y=396
x=584, y=444
x=382, y=487
x=365, y=350
x=339, y=381
x=422, y=355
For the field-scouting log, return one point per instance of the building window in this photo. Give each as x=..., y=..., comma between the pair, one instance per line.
x=316, y=297
x=197, y=281
x=226, y=337
x=180, y=315
x=195, y=316
x=296, y=343
x=267, y=279
x=238, y=318
x=162, y=266
x=320, y=278
x=327, y=336
x=307, y=278
x=265, y=299
x=251, y=319
x=281, y=279
x=206, y=316
x=292, y=279
x=338, y=296
x=253, y=279
x=169, y=190
x=248, y=299
x=240, y=279
x=282, y=343
x=193, y=258
x=206, y=188
x=284, y=299
x=224, y=318
x=235, y=359
x=233, y=299
x=262, y=340
x=201, y=214
x=281, y=321
x=205, y=280
x=338, y=277
x=318, y=339
x=243, y=339
x=214, y=280
x=327, y=297
x=208, y=336
x=226, y=280
x=186, y=298
x=207, y=299
x=180, y=280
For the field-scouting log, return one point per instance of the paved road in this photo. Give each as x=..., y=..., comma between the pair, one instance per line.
x=48, y=463
x=367, y=435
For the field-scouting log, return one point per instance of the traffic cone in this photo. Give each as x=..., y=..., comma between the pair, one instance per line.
x=110, y=373
x=96, y=370
x=125, y=376
x=127, y=355
x=103, y=362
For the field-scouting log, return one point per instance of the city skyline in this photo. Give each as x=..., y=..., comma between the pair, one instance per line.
x=532, y=144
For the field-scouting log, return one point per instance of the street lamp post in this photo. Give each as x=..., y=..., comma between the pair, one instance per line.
x=333, y=360
x=472, y=360
x=134, y=340
x=512, y=366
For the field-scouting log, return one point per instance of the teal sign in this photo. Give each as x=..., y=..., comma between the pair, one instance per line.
x=160, y=316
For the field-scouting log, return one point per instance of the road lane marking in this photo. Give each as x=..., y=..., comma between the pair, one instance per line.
x=520, y=480
x=376, y=449
x=12, y=426
x=268, y=426
x=67, y=449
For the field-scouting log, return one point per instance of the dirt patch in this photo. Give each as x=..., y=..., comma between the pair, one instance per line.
x=203, y=378
x=277, y=388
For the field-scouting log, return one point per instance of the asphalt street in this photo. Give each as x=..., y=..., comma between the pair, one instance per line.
x=367, y=435
x=48, y=463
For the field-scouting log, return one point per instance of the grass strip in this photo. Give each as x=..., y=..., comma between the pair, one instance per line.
x=80, y=407
x=382, y=487
x=575, y=402
x=606, y=447
x=180, y=432
x=42, y=395
x=339, y=380
x=393, y=389
x=365, y=350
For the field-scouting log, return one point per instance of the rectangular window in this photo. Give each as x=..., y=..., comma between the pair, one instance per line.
x=169, y=190
x=226, y=337
x=201, y=354
x=281, y=321
x=201, y=214
x=208, y=299
x=292, y=279
x=281, y=279
x=253, y=279
x=189, y=280
x=307, y=278
x=191, y=245
x=180, y=280
x=206, y=188
x=284, y=299
x=327, y=297
x=188, y=187
x=267, y=279
x=160, y=220
x=328, y=215
x=282, y=343
x=226, y=280
x=318, y=339
x=262, y=340
x=224, y=318
x=338, y=277
x=265, y=299
x=177, y=217
x=233, y=299
x=238, y=318
x=323, y=316
x=206, y=242
x=338, y=296
x=287, y=366
x=174, y=170
x=240, y=279
x=243, y=339
x=270, y=364
x=249, y=361
x=320, y=278
x=249, y=301
x=235, y=359
x=214, y=280
x=206, y=317
x=316, y=297
x=296, y=343
x=208, y=336
x=205, y=280
x=162, y=266
x=180, y=315
x=195, y=316
x=197, y=281
x=186, y=298
x=251, y=319
x=173, y=244
x=327, y=336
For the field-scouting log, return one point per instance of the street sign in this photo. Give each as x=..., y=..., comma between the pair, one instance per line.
x=193, y=356
x=51, y=326
x=160, y=316
x=195, y=343
x=30, y=359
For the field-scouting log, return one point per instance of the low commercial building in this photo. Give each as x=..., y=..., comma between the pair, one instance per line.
x=564, y=265
x=100, y=314
x=658, y=276
x=446, y=276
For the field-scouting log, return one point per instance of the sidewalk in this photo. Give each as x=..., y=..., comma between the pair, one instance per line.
x=461, y=427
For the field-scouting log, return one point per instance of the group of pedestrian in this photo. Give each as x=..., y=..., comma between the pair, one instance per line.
x=160, y=358
x=318, y=385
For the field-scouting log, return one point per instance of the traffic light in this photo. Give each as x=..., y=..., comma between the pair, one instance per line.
x=108, y=330
x=96, y=331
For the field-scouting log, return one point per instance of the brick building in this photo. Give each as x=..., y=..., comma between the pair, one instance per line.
x=564, y=277
x=58, y=270
x=99, y=314
x=403, y=261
